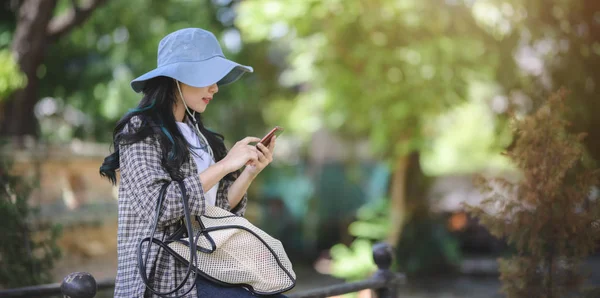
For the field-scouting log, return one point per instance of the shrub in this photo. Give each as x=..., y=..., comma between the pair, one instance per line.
x=550, y=213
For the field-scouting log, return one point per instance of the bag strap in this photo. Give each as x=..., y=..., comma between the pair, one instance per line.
x=193, y=261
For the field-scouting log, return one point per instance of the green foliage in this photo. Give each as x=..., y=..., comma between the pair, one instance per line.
x=371, y=68
x=28, y=249
x=372, y=221
x=468, y=138
x=11, y=77
x=356, y=261
x=550, y=214
x=427, y=245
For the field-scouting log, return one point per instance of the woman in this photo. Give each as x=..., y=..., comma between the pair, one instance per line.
x=164, y=140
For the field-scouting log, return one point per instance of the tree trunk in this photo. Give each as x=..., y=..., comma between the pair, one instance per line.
x=29, y=45
x=36, y=29
x=408, y=194
x=398, y=199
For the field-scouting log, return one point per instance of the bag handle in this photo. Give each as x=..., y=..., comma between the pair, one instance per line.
x=192, y=264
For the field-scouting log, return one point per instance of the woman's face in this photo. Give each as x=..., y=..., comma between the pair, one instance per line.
x=198, y=98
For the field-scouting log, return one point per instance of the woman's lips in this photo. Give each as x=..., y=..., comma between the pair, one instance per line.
x=206, y=99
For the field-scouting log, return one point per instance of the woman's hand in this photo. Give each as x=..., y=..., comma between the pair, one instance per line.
x=240, y=154
x=265, y=157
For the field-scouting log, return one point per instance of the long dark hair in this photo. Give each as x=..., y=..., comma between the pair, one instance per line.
x=156, y=113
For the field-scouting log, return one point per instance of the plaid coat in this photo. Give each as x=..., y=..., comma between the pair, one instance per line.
x=141, y=177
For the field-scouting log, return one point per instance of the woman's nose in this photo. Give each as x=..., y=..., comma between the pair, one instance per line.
x=214, y=88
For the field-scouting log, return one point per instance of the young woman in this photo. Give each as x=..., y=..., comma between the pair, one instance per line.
x=163, y=140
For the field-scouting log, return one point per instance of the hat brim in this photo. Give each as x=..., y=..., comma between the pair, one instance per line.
x=197, y=74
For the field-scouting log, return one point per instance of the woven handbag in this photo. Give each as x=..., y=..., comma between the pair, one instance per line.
x=224, y=248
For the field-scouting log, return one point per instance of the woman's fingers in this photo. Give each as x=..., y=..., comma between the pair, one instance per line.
x=272, y=144
x=247, y=140
x=252, y=153
x=261, y=156
x=266, y=151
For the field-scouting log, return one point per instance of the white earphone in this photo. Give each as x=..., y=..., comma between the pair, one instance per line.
x=193, y=118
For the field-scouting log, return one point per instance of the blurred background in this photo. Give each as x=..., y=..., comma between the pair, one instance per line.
x=390, y=108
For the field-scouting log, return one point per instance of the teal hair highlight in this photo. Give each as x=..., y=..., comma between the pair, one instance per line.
x=139, y=110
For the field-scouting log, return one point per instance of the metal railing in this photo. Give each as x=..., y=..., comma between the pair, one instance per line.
x=384, y=283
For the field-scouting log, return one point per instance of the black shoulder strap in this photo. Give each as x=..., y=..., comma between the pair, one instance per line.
x=143, y=261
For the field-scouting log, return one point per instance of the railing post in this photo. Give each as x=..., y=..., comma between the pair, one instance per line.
x=383, y=255
x=79, y=285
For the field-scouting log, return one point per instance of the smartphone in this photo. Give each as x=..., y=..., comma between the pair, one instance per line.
x=276, y=131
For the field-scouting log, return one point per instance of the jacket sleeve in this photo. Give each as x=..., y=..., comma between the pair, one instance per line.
x=223, y=201
x=141, y=164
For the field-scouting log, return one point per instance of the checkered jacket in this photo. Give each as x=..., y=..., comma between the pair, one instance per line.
x=141, y=177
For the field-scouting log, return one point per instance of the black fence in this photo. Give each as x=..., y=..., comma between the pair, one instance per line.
x=384, y=283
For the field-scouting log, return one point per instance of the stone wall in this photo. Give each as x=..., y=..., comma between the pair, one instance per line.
x=68, y=177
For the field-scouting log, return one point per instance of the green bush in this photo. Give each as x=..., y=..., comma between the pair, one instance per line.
x=28, y=249
x=356, y=261
x=425, y=247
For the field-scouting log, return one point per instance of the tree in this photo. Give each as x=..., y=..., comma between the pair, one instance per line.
x=378, y=69
x=550, y=214
x=548, y=45
x=36, y=29
x=86, y=83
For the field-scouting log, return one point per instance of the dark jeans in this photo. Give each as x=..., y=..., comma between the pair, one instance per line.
x=208, y=289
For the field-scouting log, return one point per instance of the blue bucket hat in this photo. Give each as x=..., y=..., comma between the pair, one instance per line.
x=192, y=56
